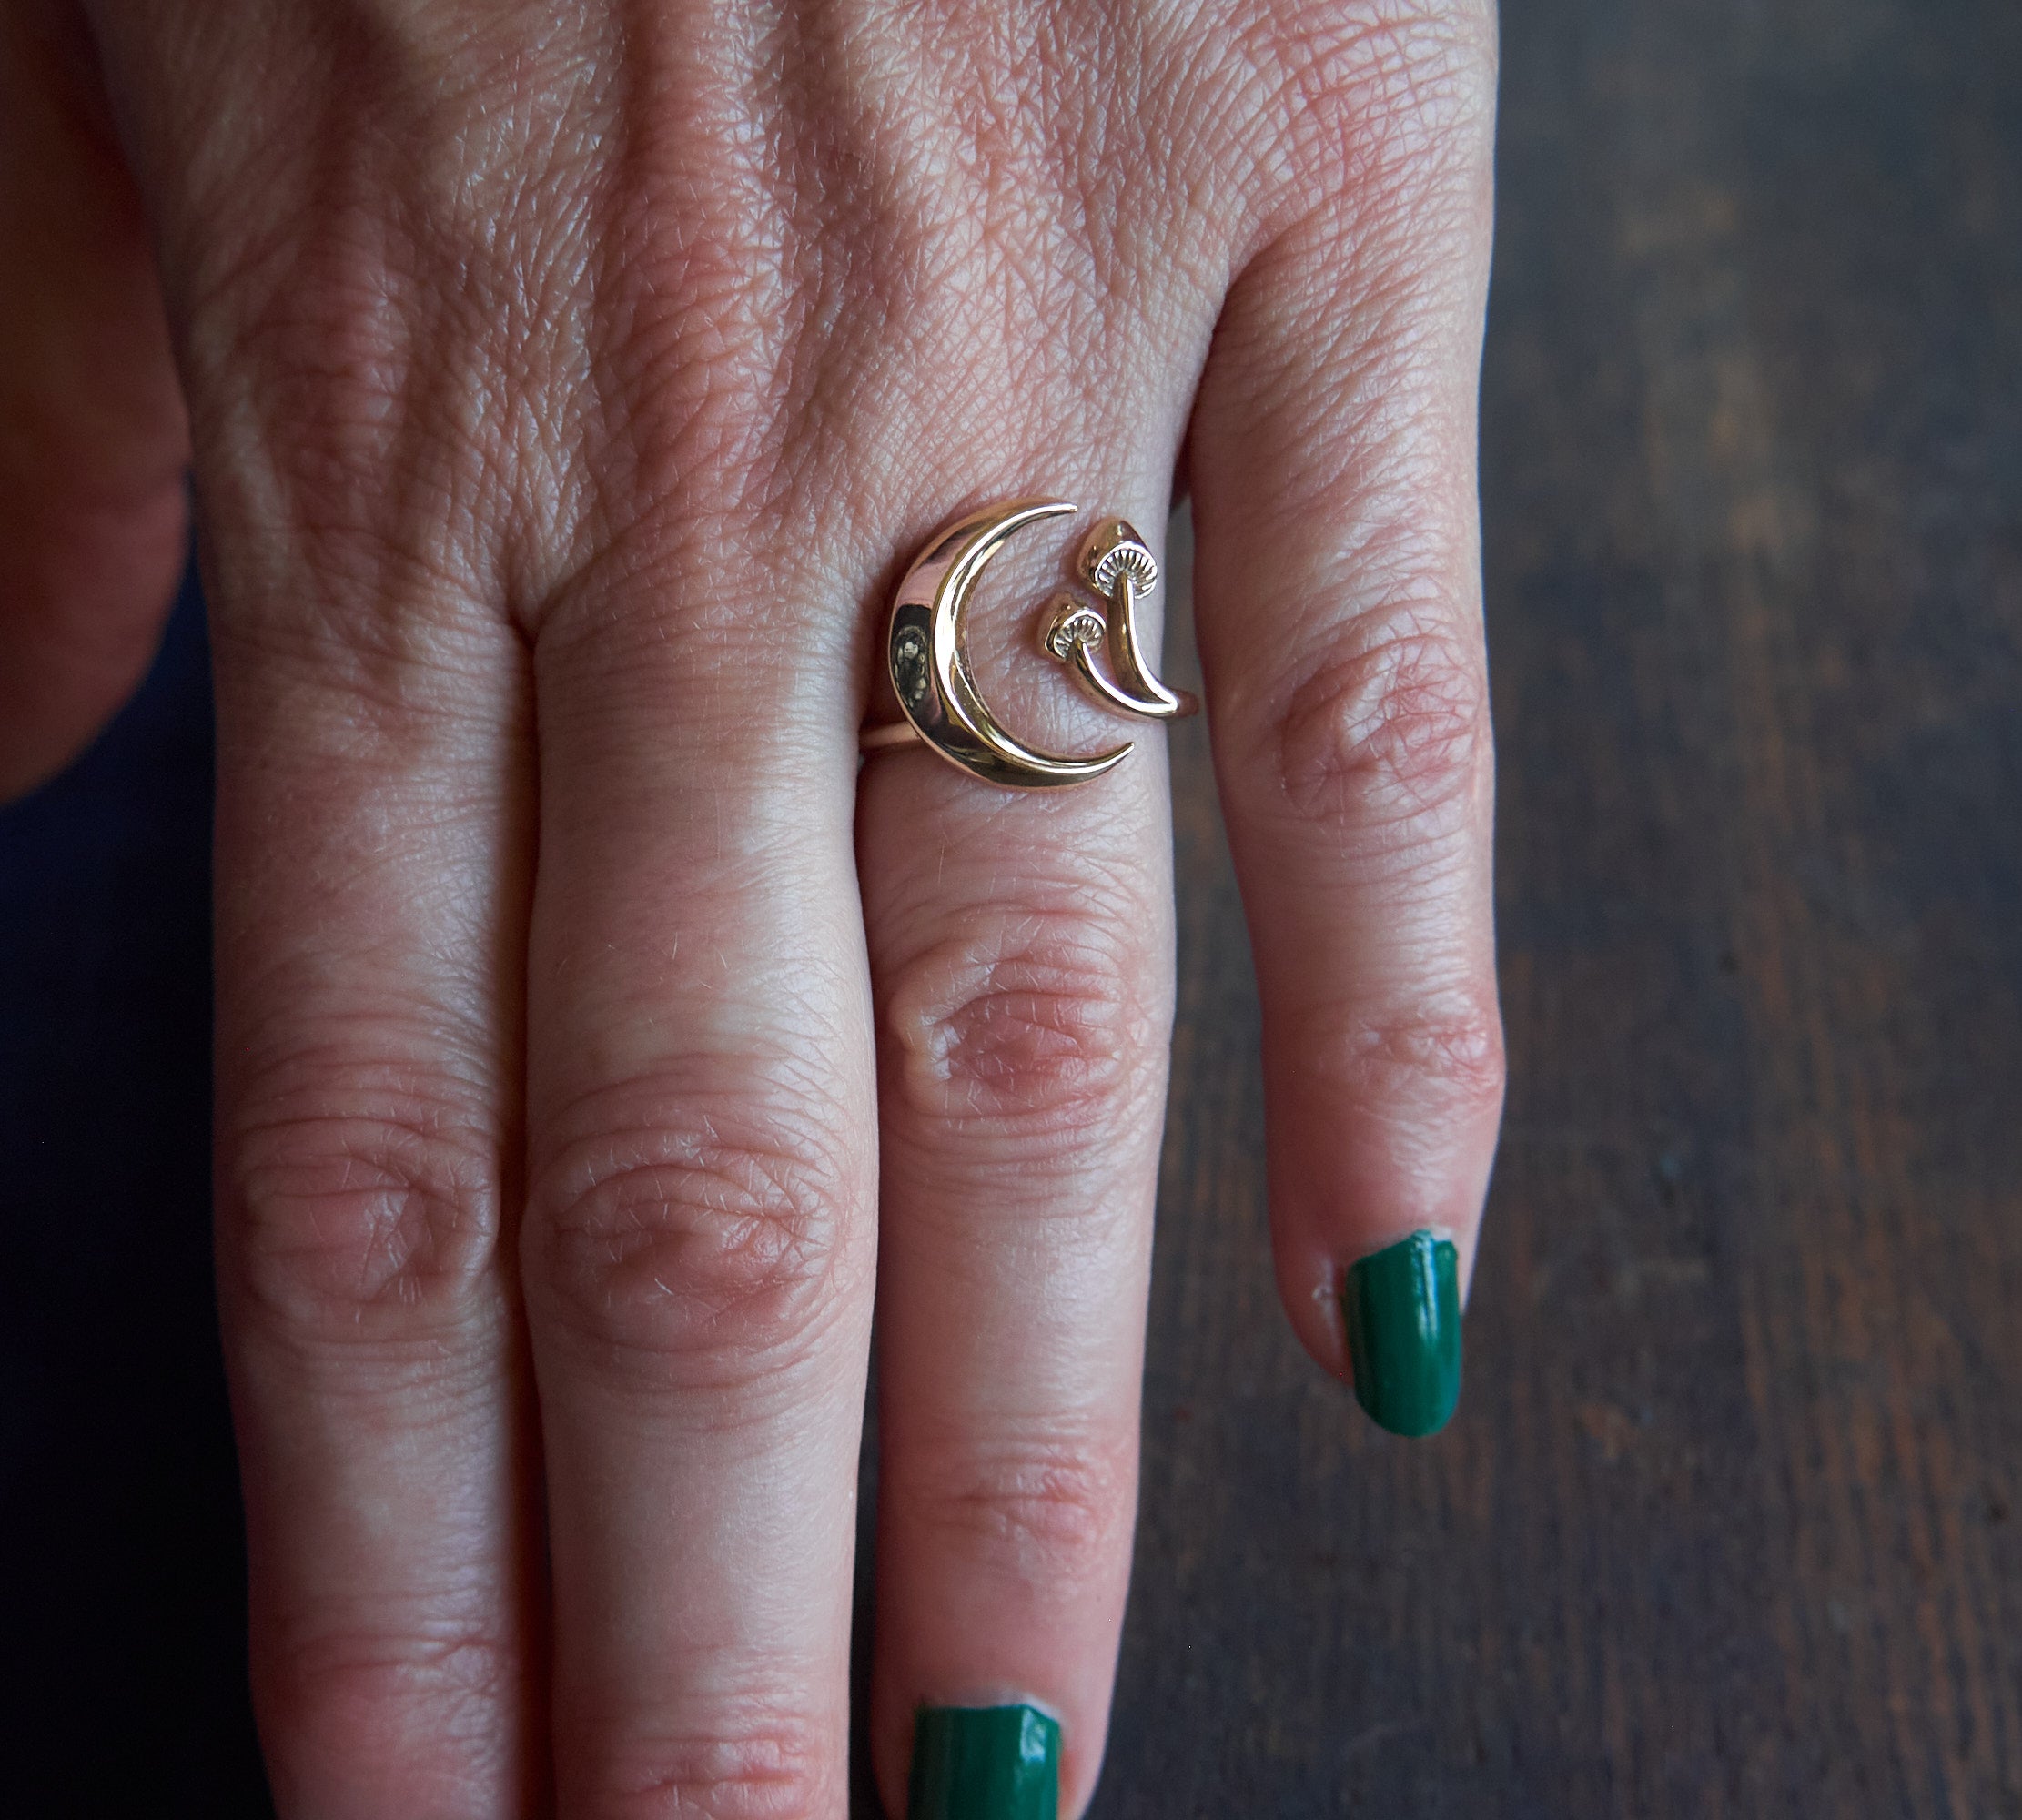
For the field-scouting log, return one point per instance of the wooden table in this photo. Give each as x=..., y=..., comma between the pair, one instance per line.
x=1730, y=1519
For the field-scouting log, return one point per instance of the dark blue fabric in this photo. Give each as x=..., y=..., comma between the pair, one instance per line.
x=124, y=1617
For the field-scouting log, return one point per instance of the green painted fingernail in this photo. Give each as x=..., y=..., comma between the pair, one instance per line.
x=984, y=1763
x=1403, y=1309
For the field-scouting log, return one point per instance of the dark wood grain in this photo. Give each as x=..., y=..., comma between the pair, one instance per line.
x=1729, y=1522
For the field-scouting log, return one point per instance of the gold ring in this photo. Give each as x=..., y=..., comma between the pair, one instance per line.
x=928, y=659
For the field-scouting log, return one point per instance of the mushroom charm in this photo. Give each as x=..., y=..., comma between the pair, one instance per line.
x=1117, y=563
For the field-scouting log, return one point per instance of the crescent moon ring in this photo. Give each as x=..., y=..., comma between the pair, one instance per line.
x=929, y=660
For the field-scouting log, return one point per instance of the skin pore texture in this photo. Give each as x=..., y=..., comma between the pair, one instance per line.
x=563, y=390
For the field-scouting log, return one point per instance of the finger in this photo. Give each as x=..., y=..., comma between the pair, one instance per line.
x=699, y=1250
x=93, y=442
x=1339, y=625
x=1021, y=950
x=371, y=830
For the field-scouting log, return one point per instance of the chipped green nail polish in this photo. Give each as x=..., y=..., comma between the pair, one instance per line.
x=1402, y=1305
x=984, y=1763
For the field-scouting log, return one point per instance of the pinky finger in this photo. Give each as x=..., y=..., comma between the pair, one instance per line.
x=1339, y=602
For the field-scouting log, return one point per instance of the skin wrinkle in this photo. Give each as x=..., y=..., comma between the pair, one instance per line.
x=406, y=685
x=1042, y=1511
x=771, y=1773
x=714, y=1206
x=371, y=1048
x=1389, y=729
x=469, y=225
x=701, y=999
x=1390, y=552
x=374, y=1050
x=841, y=157
x=343, y=1216
x=1025, y=1036
x=693, y=284
x=452, y=1662
x=885, y=287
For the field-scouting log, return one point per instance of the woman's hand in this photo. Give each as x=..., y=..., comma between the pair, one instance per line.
x=566, y=387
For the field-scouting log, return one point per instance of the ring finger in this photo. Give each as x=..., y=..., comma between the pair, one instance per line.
x=1021, y=954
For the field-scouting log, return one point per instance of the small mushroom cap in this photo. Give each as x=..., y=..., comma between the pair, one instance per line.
x=1070, y=623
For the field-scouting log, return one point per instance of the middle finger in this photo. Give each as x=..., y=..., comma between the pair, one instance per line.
x=698, y=1241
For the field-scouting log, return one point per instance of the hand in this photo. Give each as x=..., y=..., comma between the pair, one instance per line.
x=566, y=387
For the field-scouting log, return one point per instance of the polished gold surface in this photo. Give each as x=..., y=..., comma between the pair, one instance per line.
x=929, y=659
x=927, y=655
x=1118, y=566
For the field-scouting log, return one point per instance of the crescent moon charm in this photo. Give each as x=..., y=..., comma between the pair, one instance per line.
x=929, y=660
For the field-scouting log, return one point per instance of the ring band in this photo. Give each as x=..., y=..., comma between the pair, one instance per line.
x=882, y=739
x=926, y=656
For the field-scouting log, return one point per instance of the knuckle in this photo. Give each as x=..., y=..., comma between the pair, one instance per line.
x=1389, y=731
x=368, y=1700
x=773, y=1767
x=345, y=1224
x=1053, y=1511
x=700, y=1230
x=1453, y=1049
x=1050, y=1022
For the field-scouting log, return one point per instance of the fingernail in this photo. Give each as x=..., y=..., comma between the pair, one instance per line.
x=984, y=1763
x=1403, y=1309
